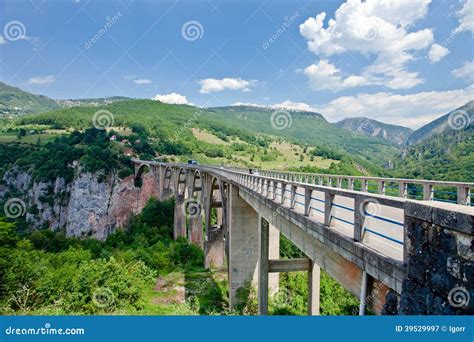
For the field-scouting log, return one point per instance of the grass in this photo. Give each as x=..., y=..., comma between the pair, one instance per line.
x=197, y=292
x=207, y=137
x=29, y=139
x=286, y=155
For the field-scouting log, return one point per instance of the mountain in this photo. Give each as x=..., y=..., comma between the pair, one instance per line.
x=442, y=149
x=393, y=133
x=306, y=127
x=458, y=118
x=16, y=102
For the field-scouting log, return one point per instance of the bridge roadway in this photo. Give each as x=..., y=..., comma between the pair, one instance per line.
x=357, y=237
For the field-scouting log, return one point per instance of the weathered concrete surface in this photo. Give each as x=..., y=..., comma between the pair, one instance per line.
x=314, y=289
x=440, y=257
x=273, y=253
x=243, y=246
x=179, y=222
x=214, y=248
x=342, y=258
x=263, y=267
x=195, y=230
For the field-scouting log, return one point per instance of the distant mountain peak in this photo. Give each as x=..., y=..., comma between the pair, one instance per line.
x=370, y=127
x=458, y=119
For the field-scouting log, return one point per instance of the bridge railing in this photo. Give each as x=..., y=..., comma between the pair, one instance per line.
x=373, y=219
x=417, y=189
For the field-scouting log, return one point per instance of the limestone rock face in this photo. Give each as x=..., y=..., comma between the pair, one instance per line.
x=84, y=207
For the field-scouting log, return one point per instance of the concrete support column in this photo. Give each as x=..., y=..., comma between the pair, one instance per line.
x=195, y=230
x=161, y=180
x=214, y=248
x=179, y=218
x=314, y=287
x=273, y=254
x=263, y=267
x=243, y=245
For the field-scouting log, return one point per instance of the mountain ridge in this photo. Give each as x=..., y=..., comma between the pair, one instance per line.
x=370, y=127
x=459, y=118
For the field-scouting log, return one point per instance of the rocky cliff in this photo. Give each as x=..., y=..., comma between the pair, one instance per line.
x=393, y=133
x=85, y=207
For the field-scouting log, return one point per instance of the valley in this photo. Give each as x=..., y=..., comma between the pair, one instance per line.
x=85, y=215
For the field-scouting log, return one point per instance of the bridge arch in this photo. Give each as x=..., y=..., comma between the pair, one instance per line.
x=140, y=171
x=181, y=181
x=168, y=175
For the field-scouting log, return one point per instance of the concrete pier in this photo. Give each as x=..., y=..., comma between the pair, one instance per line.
x=390, y=260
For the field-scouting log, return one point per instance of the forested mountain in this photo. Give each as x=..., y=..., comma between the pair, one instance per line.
x=308, y=127
x=15, y=102
x=456, y=120
x=441, y=157
x=373, y=128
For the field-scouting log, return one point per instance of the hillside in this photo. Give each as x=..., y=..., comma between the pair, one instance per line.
x=16, y=102
x=444, y=156
x=250, y=134
x=457, y=118
x=373, y=128
x=308, y=128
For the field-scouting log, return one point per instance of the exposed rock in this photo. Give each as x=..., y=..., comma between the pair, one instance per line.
x=84, y=207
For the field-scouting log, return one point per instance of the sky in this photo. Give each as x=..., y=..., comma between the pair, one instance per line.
x=403, y=62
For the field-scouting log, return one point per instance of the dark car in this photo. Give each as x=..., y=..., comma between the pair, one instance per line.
x=192, y=162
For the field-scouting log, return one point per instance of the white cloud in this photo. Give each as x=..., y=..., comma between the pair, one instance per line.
x=437, y=52
x=466, y=71
x=413, y=110
x=141, y=81
x=324, y=75
x=372, y=28
x=172, y=98
x=466, y=17
x=2, y=40
x=211, y=85
x=41, y=80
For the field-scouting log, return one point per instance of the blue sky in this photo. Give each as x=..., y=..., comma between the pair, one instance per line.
x=402, y=62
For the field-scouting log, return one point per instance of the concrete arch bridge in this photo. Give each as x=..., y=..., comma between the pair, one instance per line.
x=402, y=246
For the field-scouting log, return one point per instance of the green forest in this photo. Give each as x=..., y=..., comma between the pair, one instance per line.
x=44, y=272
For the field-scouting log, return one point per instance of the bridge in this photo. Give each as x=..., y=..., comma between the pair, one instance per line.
x=403, y=246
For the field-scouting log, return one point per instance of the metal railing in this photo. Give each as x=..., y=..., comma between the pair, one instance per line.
x=418, y=189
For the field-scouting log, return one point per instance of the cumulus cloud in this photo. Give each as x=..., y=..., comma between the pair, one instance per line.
x=39, y=80
x=413, y=110
x=466, y=16
x=212, y=85
x=324, y=75
x=172, y=98
x=466, y=71
x=142, y=81
x=371, y=28
x=437, y=52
